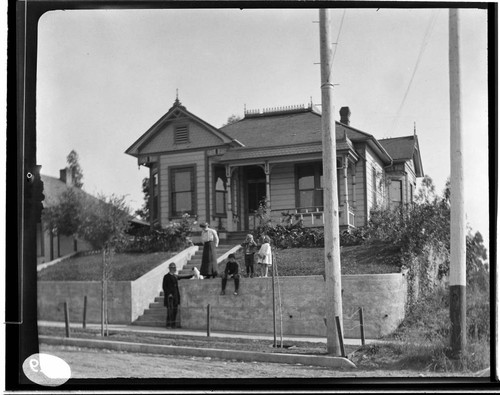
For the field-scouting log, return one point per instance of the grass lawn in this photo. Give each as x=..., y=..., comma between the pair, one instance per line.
x=369, y=259
x=126, y=267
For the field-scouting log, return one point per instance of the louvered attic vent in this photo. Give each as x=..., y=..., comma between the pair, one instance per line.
x=181, y=135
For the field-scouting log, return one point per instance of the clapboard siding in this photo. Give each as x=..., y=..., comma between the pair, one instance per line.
x=374, y=164
x=163, y=140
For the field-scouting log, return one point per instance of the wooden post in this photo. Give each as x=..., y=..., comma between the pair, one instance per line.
x=362, y=326
x=84, y=324
x=229, y=209
x=457, y=212
x=274, y=307
x=267, y=172
x=66, y=318
x=331, y=215
x=208, y=320
x=341, y=336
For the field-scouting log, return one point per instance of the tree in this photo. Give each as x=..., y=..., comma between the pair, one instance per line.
x=62, y=218
x=103, y=224
x=143, y=212
x=75, y=169
x=427, y=191
x=232, y=119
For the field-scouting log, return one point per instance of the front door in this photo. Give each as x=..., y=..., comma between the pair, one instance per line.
x=255, y=194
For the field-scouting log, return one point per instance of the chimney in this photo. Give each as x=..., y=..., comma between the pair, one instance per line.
x=345, y=114
x=66, y=176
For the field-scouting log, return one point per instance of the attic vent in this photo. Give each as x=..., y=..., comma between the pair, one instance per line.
x=181, y=135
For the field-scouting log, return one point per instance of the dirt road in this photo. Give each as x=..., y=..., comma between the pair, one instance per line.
x=89, y=363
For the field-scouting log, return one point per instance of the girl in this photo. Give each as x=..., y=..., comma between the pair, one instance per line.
x=249, y=248
x=265, y=256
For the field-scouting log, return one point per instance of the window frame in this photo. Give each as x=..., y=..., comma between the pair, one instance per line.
x=216, y=192
x=171, y=173
x=154, y=196
x=317, y=168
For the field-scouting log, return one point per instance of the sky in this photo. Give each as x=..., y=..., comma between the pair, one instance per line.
x=106, y=76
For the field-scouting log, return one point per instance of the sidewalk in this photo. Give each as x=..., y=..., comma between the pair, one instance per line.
x=194, y=332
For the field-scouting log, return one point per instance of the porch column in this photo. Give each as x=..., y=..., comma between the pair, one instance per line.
x=229, y=210
x=267, y=171
x=346, y=193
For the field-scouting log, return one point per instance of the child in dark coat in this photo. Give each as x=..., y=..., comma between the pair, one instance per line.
x=232, y=271
x=249, y=250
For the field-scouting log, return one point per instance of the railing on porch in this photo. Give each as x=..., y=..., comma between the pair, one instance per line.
x=310, y=216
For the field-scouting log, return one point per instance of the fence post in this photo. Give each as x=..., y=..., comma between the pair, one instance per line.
x=66, y=318
x=84, y=324
x=340, y=335
x=208, y=320
x=362, y=326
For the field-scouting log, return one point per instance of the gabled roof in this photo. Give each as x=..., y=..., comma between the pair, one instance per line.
x=176, y=111
x=404, y=148
x=53, y=188
x=299, y=127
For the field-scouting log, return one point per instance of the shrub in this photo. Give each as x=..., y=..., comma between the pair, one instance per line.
x=173, y=237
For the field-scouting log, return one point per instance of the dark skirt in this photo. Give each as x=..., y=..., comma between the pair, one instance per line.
x=209, y=260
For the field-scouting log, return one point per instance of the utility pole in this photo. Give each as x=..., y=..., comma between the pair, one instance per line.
x=333, y=285
x=457, y=220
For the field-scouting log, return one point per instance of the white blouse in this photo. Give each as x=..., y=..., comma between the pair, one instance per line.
x=210, y=235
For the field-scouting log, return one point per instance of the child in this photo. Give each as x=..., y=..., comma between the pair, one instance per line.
x=249, y=248
x=265, y=256
x=232, y=271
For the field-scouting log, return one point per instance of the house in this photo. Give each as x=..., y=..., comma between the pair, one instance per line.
x=50, y=245
x=272, y=160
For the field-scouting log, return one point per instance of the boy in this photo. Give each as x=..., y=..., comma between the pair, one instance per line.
x=232, y=271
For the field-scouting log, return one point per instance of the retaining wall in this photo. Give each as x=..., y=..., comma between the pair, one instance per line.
x=127, y=300
x=382, y=298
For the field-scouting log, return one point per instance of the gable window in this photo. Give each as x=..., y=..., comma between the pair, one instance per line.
x=220, y=190
x=309, y=182
x=396, y=193
x=181, y=135
x=182, y=191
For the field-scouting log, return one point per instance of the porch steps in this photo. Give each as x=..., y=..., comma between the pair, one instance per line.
x=236, y=237
x=156, y=314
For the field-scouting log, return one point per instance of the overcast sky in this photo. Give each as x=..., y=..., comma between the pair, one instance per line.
x=106, y=76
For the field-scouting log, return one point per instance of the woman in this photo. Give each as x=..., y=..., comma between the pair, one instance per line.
x=210, y=241
x=265, y=256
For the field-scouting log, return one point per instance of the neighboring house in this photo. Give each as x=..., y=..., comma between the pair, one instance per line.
x=51, y=245
x=271, y=158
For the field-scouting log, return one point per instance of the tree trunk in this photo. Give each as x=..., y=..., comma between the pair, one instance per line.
x=102, y=292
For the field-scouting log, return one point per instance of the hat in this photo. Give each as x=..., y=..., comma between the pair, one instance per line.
x=204, y=224
x=172, y=265
x=231, y=256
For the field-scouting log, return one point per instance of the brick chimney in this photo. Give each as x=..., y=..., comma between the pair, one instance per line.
x=345, y=114
x=66, y=176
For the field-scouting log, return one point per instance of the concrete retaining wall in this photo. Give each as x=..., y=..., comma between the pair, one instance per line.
x=127, y=300
x=382, y=298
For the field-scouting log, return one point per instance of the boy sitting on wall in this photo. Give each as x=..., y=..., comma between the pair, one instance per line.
x=232, y=271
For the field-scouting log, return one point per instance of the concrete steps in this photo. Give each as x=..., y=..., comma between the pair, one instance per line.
x=156, y=314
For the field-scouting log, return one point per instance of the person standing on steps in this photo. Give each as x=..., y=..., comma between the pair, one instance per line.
x=210, y=241
x=232, y=271
x=172, y=296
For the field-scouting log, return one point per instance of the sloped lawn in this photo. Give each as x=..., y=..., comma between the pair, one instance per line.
x=365, y=259
x=125, y=267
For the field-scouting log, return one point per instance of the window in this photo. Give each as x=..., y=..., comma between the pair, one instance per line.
x=309, y=181
x=181, y=135
x=396, y=193
x=220, y=190
x=182, y=191
x=154, y=195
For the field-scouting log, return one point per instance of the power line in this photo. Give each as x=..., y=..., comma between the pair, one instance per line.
x=424, y=43
x=336, y=43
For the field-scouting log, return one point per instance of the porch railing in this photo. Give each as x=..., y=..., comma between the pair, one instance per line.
x=310, y=216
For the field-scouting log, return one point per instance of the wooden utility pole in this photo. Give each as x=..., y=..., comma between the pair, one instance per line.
x=457, y=222
x=331, y=205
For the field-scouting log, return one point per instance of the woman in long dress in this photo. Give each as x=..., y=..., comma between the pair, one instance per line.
x=210, y=241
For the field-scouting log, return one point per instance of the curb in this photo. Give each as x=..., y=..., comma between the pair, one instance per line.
x=249, y=356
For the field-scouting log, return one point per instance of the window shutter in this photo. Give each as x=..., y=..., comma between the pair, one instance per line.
x=181, y=135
